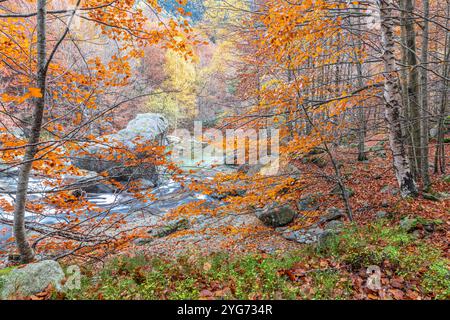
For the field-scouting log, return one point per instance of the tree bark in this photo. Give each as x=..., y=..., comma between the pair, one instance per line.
x=25, y=250
x=424, y=112
x=392, y=95
x=362, y=128
x=413, y=89
x=439, y=160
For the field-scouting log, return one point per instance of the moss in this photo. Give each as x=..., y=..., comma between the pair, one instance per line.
x=3, y=273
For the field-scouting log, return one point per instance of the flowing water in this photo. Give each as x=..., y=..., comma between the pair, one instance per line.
x=170, y=195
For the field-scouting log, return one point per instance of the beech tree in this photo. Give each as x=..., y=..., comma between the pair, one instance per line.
x=123, y=22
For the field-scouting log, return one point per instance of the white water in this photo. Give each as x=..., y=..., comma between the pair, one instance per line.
x=170, y=192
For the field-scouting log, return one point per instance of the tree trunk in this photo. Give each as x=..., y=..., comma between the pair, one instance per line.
x=25, y=250
x=392, y=95
x=362, y=128
x=424, y=112
x=439, y=160
x=413, y=88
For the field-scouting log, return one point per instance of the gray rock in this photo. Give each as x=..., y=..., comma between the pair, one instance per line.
x=325, y=236
x=149, y=126
x=308, y=203
x=389, y=189
x=237, y=191
x=408, y=224
x=334, y=214
x=170, y=227
x=291, y=235
x=276, y=215
x=315, y=231
x=145, y=127
x=334, y=225
x=32, y=279
x=307, y=238
x=382, y=214
x=97, y=188
x=90, y=182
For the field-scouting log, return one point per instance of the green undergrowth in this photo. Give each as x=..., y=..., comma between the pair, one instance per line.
x=312, y=272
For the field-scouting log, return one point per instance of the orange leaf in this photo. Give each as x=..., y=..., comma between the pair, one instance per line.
x=35, y=92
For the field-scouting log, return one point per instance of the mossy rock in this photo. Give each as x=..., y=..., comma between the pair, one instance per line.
x=32, y=279
x=411, y=224
x=6, y=271
x=169, y=228
x=3, y=274
x=276, y=215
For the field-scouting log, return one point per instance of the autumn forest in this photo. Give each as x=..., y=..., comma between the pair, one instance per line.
x=224, y=149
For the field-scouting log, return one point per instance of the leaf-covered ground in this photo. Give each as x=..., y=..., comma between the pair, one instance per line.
x=411, y=269
x=374, y=189
x=413, y=259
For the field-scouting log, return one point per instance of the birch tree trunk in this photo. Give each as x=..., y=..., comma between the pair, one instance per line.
x=25, y=250
x=393, y=98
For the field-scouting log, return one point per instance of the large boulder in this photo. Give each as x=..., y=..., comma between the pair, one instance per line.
x=145, y=127
x=148, y=126
x=276, y=215
x=32, y=279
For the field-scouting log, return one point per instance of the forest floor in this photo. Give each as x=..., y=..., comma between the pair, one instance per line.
x=410, y=245
x=374, y=190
